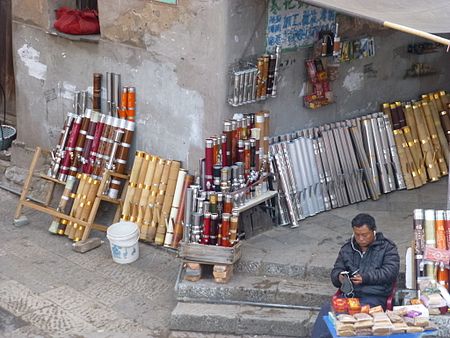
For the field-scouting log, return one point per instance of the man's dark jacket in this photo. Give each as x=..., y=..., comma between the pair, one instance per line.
x=379, y=266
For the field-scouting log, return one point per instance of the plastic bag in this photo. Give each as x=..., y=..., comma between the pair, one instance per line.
x=77, y=22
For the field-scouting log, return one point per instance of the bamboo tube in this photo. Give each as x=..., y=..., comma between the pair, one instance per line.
x=178, y=228
x=411, y=123
x=434, y=139
x=436, y=98
x=175, y=206
x=167, y=203
x=68, y=188
x=148, y=213
x=143, y=200
x=138, y=190
x=440, y=131
x=425, y=144
x=93, y=190
x=445, y=121
x=444, y=97
x=162, y=187
x=132, y=184
x=417, y=32
x=416, y=154
x=79, y=209
x=401, y=114
x=387, y=111
x=401, y=146
x=394, y=115
x=76, y=196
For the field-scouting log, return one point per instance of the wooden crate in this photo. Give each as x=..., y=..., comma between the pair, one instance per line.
x=210, y=254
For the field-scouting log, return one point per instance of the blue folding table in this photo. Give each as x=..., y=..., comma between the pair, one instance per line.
x=396, y=335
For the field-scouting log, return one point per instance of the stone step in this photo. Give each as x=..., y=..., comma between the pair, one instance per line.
x=299, y=271
x=306, y=272
x=242, y=319
x=258, y=290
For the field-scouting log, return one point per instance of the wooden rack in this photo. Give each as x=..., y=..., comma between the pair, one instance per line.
x=44, y=207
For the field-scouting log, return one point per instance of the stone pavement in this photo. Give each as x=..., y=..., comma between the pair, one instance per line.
x=48, y=290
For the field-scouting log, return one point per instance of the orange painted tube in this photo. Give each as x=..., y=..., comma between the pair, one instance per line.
x=131, y=103
x=124, y=103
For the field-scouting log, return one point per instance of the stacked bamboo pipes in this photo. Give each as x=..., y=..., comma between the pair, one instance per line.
x=91, y=142
x=154, y=196
x=422, y=132
x=334, y=165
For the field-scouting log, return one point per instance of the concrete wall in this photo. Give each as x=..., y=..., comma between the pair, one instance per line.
x=178, y=58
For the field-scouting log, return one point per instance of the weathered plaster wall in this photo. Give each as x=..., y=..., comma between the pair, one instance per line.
x=178, y=58
x=167, y=52
x=361, y=86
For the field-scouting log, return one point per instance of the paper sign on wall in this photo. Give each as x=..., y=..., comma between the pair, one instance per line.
x=293, y=24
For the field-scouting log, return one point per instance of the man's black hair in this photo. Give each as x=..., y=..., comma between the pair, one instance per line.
x=364, y=219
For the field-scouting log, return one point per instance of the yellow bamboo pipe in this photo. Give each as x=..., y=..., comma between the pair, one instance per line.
x=167, y=203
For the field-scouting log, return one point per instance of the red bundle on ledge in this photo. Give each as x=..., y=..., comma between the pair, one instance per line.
x=77, y=22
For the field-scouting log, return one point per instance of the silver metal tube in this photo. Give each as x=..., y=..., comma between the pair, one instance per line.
x=187, y=215
x=379, y=156
x=386, y=153
x=357, y=170
x=321, y=175
x=316, y=185
x=297, y=171
x=327, y=172
x=370, y=148
x=393, y=151
x=362, y=156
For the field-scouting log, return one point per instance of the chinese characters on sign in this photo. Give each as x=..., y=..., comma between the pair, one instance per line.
x=292, y=23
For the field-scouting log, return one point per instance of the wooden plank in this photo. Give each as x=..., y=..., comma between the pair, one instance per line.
x=52, y=212
x=122, y=176
x=257, y=200
x=108, y=199
x=27, y=183
x=54, y=180
x=209, y=254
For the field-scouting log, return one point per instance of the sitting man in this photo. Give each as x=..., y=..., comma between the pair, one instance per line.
x=372, y=263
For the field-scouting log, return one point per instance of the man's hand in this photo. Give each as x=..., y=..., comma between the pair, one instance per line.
x=342, y=277
x=356, y=279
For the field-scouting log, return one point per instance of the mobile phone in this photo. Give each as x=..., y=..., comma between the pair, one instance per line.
x=344, y=273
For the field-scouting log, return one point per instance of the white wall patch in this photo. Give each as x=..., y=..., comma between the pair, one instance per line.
x=30, y=57
x=353, y=81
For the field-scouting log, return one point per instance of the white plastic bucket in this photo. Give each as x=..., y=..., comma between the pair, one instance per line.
x=123, y=238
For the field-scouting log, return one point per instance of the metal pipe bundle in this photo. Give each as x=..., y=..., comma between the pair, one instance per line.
x=251, y=82
x=336, y=164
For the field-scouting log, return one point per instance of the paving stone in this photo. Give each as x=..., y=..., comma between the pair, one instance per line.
x=19, y=299
x=13, y=267
x=97, y=315
x=27, y=331
x=9, y=322
x=150, y=314
x=54, y=319
x=107, y=292
x=124, y=326
x=67, y=297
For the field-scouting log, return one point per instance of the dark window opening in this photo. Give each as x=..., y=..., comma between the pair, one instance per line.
x=76, y=20
x=87, y=4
